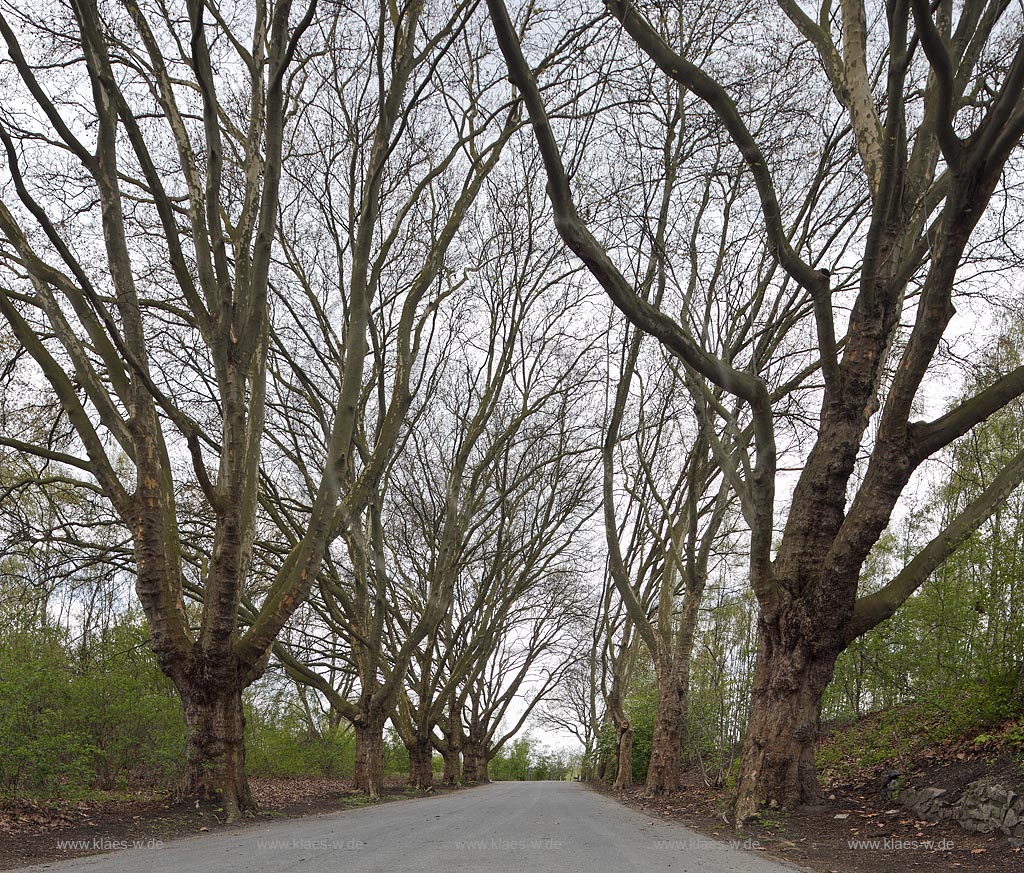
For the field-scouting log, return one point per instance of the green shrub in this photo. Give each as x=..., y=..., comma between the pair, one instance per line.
x=641, y=706
x=40, y=750
x=130, y=711
x=512, y=762
x=280, y=742
x=99, y=715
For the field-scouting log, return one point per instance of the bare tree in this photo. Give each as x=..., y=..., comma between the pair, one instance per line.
x=933, y=139
x=136, y=128
x=575, y=706
x=619, y=657
x=535, y=647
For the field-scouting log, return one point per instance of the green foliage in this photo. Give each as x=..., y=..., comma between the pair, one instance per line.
x=98, y=715
x=512, y=761
x=130, y=711
x=1013, y=738
x=525, y=759
x=396, y=755
x=949, y=662
x=899, y=733
x=550, y=764
x=605, y=749
x=720, y=678
x=283, y=739
x=641, y=706
x=40, y=750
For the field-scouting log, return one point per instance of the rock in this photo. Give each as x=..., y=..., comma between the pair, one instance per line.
x=992, y=812
x=986, y=806
x=932, y=793
x=991, y=789
x=891, y=785
x=925, y=803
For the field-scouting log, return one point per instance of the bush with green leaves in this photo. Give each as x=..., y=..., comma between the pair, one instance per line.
x=512, y=761
x=284, y=737
x=641, y=706
x=40, y=750
x=83, y=715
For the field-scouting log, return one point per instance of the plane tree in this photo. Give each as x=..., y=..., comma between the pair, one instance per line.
x=139, y=216
x=934, y=133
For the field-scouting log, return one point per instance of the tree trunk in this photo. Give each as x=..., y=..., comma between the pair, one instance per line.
x=623, y=757
x=452, y=769
x=215, y=757
x=777, y=762
x=421, y=770
x=483, y=763
x=470, y=762
x=666, y=743
x=369, y=765
x=587, y=765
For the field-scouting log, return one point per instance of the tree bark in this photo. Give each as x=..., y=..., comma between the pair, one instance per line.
x=483, y=763
x=666, y=743
x=215, y=756
x=421, y=757
x=777, y=762
x=470, y=762
x=369, y=764
x=623, y=756
x=452, y=767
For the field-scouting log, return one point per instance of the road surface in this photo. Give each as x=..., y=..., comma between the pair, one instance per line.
x=506, y=827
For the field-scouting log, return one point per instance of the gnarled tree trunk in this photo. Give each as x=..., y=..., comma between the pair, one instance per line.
x=452, y=767
x=623, y=756
x=470, y=761
x=777, y=762
x=421, y=757
x=483, y=763
x=369, y=764
x=215, y=754
x=666, y=743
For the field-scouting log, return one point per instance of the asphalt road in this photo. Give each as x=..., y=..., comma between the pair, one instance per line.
x=510, y=827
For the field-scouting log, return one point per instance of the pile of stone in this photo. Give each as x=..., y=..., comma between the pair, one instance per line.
x=928, y=804
x=986, y=806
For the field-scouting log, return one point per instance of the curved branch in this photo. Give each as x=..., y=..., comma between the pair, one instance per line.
x=873, y=609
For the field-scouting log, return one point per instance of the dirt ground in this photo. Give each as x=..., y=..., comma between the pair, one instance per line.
x=856, y=831
x=35, y=832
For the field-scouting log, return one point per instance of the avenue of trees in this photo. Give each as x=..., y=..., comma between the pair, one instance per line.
x=380, y=379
